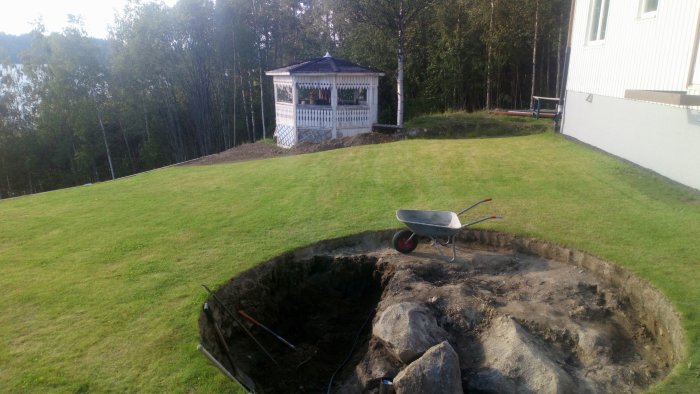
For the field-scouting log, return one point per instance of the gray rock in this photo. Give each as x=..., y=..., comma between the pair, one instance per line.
x=509, y=349
x=408, y=329
x=376, y=364
x=435, y=372
x=491, y=381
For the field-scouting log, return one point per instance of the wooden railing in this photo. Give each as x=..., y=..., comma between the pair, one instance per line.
x=321, y=117
x=352, y=117
x=315, y=117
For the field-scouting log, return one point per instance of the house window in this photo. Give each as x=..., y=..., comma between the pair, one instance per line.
x=352, y=96
x=597, y=20
x=647, y=8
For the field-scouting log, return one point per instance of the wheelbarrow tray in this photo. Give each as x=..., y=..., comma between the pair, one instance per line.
x=430, y=223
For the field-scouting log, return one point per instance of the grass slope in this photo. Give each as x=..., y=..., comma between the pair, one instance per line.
x=101, y=283
x=476, y=125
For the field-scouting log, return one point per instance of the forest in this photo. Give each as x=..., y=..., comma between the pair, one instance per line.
x=176, y=83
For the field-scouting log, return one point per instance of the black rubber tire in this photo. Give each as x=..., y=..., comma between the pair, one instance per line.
x=401, y=243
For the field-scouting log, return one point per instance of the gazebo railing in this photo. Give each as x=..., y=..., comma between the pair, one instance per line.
x=321, y=117
x=316, y=117
x=352, y=117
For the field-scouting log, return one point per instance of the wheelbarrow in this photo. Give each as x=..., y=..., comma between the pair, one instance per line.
x=436, y=225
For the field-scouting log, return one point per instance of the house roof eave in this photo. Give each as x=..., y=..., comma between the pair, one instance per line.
x=275, y=73
x=310, y=74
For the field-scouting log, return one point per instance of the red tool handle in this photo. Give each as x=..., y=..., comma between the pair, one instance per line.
x=247, y=316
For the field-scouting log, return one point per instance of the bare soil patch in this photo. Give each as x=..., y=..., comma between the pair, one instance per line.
x=264, y=150
x=522, y=316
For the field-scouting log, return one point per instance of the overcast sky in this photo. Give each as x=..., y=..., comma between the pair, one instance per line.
x=16, y=16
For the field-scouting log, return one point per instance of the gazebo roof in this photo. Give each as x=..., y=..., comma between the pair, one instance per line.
x=324, y=65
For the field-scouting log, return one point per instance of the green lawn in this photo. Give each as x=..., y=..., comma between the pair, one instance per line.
x=476, y=125
x=101, y=284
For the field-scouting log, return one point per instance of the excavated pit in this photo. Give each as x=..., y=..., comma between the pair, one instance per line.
x=522, y=315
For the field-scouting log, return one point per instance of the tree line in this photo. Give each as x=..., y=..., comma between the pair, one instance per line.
x=175, y=83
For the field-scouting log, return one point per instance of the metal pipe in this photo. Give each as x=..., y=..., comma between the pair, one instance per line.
x=217, y=363
x=454, y=248
x=219, y=334
x=257, y=323
x=482, y=220
x=473, y=205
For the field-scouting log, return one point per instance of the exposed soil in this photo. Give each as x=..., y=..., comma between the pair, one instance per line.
x=325, y=299
x=263, y=150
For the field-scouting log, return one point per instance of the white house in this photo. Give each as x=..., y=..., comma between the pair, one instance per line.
x=324, y=98
x=633, y=86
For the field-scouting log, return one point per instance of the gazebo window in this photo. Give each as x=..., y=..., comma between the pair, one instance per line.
x=352, y=96
x=314, y=96
x=284, y=93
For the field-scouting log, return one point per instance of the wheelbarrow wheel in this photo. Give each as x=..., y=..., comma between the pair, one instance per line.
x=403, y=242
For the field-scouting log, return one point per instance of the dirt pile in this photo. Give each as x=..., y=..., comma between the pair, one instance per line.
x=361, y=313
x=264, y=150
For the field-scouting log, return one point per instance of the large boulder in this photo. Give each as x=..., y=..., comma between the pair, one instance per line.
x=435, y=372
x=491, y=381
x=515, y=362
x=408, y=329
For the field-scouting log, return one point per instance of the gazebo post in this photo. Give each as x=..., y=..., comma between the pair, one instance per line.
x=295, y=103
x=334, y=106
x=370, y=102
x=375, y=101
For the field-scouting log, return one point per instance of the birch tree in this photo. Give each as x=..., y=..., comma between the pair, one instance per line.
x=534, y=54
x=395, y=17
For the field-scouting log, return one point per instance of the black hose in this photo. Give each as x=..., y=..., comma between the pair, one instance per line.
x=352, y=350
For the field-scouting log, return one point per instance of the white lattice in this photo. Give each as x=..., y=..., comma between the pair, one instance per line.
x=315, y=85
x=286, y=137
x=355, y=81
x=313, y=135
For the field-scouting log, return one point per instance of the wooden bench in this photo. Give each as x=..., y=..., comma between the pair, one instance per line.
x=386, y=128
x=537, y=109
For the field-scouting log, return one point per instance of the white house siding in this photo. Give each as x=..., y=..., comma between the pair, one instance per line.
x=637, y=54
x=647, y=54
x=663, y=138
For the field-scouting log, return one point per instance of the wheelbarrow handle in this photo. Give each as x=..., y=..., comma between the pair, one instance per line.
x=482, y=220
x=473, y=205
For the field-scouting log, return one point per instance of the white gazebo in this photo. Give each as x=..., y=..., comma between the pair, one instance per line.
x=322, y=99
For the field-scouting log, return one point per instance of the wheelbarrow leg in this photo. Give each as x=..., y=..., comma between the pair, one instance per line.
x=454, y=248
x=436, y=244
